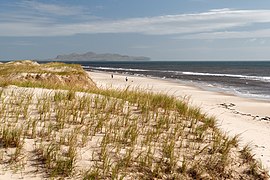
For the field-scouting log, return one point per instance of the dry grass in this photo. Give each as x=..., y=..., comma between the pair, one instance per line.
x=113, y=134
x=53, y=75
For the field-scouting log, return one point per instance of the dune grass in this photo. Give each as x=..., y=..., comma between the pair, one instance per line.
x=53, y=75
x=115, y=134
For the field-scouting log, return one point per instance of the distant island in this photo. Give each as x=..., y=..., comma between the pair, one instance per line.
x=91, y=56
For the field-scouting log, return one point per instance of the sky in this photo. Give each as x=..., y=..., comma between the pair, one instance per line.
x=163, y=30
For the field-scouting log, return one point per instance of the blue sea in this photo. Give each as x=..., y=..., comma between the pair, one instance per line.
x=248, y=79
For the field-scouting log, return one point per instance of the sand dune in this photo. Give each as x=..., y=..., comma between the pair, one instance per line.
x=235, y=115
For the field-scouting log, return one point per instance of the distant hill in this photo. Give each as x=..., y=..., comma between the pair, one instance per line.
x=91, y=56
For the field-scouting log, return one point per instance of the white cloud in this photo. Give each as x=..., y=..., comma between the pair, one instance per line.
x=56, y=9
x=213, y=24
x=253, y=35
x=252, y=40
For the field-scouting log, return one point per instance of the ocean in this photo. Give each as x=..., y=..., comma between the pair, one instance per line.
x=247, y=79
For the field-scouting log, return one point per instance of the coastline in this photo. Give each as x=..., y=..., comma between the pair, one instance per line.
x=238, y=78
x=234, y=114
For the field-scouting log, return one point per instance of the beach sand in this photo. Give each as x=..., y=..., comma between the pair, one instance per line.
x=235, y=115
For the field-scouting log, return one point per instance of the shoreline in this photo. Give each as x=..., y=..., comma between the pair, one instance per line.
x=235, y=115
x=226, y=77
x=204, y=87
x=201, y=85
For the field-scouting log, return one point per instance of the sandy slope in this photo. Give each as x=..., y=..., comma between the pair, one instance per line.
x=237, y=115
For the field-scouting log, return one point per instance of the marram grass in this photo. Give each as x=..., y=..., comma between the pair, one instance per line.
x=115, y=134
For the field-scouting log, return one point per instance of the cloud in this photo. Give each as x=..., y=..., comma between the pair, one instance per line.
x=213, y=24
x=252, y=40
x=56, y=9
x=142, y=47
x=22, y=43
x=253, y=35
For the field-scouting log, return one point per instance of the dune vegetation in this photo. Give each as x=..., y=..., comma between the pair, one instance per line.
x=54, y=75
x=83, y=132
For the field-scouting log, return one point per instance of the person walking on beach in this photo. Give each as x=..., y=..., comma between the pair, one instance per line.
x=112, y=75
x=126, y=79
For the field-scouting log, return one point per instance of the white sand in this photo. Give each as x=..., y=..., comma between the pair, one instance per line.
x=241, y=120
